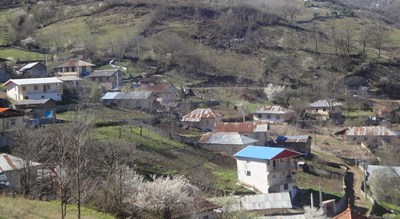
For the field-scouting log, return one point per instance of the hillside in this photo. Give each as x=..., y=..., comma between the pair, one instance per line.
x=225, y=43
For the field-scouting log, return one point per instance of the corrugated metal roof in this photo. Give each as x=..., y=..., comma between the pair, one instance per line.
x=292, y=138
x=240, y=127
x=275, y=109
x=261, y=202
x=198, y=114
x=226, y=138
x=135, y=95
x=265, y=153
x=29, y=81
x=70, y=78
x=104, y=73
x=325, y=103
x=110, y=95
x=30, y=101
x=28, y=66
x=371, y=131
x=9, y=162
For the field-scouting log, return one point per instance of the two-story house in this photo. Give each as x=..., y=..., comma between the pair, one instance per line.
x=255, y=130
x=325, y=110
x=32, y=70
x=299, y=143
x=203, y=119
x=108, y=78
x=273, y=114
x=372, y=136
x=34, y=88
x=267, y=169
x=74, y=67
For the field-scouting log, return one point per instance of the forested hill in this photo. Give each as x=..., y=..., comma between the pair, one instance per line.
x=301, y=44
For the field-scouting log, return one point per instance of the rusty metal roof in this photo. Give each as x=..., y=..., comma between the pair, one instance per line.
x=9, y=162
x=371, y=131
x=198, y=114
x=226, y=138
x=275, y=109
x=241, y=127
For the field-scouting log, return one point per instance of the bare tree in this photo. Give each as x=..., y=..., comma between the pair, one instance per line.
x=289, y=12
x=315, y=36
x=347, y=35
x=164, y=196
x=314, y=213
x=378, y=38
x=364, y=38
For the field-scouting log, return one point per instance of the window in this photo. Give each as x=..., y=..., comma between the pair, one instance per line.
x=268, y=116
x=278, y=117
x=42, y=96
x=73, y=69
x=205, y=217
x=23, y=88
x=324, y=109
x=100, y=79
x=257, y=135
x=285, y=186
x=13, y=122
x=259, y=115
x=268, y=163
x=48, y=86
x=35, y=87
x=273, y=176
x=26, y=97
x=248, y=173
x=247, y=161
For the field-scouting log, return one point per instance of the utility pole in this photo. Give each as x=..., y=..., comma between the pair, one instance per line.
x=312, y=201
x=320, y=195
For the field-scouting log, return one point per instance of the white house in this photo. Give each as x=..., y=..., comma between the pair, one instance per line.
x=273, y=114
x=34, y=88
x=325, y=109
x=267, y=169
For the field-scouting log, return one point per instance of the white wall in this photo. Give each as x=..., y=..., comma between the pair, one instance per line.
x=54, y=91
x=258, y=170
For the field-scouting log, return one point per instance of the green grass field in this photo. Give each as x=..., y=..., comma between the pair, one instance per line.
x=22, y=55
x=18, y=208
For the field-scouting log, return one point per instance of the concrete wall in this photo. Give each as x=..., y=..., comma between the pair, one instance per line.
x=35, y=92
x=257, y=169
x=373, y=141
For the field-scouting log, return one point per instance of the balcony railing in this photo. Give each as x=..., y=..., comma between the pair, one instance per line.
x=41, y=91
x=283, y=168
x=282, y=180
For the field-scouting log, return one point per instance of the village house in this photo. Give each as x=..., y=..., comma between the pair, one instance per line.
x=166, y=93
x=273, y=114
x=31, y=70
x=34, y=89
x=372, y=136
x=71, y=85
x=299, y=143
x=203, y=119
x=350, y=213
x=74, y=67
x=43, y=109
x=267, y=169
x=255, y=130
x=110, y=79
x=10, y=121
x=325, y=110
x=10, y=170
x=133, y=100
x=225, y=142
x=4, y=74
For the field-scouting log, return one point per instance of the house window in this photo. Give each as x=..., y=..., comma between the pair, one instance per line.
x=285, y=186
x=247, y=161
x=205, y=217
x=387, y=140
x=278, y=117
x=42, y=96
x=257, y=135
x=268, y=163
x=324, y=109
x=248, y=173
x=73, y=69
x=26, y=97
x=259, y=115
x=13, y=122
x=48, y=86
x=23, y=88
x=35, y=87
x=273, y=176
x=268, y=116
x=282, y=160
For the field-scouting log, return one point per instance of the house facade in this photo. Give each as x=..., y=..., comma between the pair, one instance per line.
x=34, y=89
x=273, y=114
x=74, y=67
x=372, y=136
x=10, y=120
x=255, y=130
x=41, y=111
x=144, y=100
x=225, y=142
x=325, y=110
x=32, y=70
x=166, y=93
x=109, y=78
x=203, y=119
x=299, y=143
x=4, y=74
x=267, y=169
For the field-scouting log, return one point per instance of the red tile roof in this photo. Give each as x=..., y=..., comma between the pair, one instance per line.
x=3, y=109
x=350, y=214
x=198, y=114
x=75, y=62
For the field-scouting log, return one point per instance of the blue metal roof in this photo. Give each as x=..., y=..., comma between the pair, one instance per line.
x=259, y=152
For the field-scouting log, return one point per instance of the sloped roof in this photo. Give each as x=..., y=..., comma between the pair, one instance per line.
x=3, y=109
x=350, y=214
x=292, y=138
x=241, y=127
x=157, y=88
x=266, y=153
x=75, y=62
x=70, y=78
x=9, y=162
x=104, y=73
x=324, y=103
x=373, y=169
x=135, y=95
x=30, y=81
x=28, y=66
x=32, y=102
x=371, y=131
x=261, y=202
x=198, y=114
x=275, y=109
x=226, y=138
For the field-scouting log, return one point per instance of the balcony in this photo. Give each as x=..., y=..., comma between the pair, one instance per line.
x=282, y=180
x=282, y=168
x=31, y=92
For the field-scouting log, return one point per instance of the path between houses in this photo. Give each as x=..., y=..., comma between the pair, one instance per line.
x=361, y=204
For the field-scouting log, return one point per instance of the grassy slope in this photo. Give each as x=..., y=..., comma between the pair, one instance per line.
x=11, y=208
x=22, y=55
